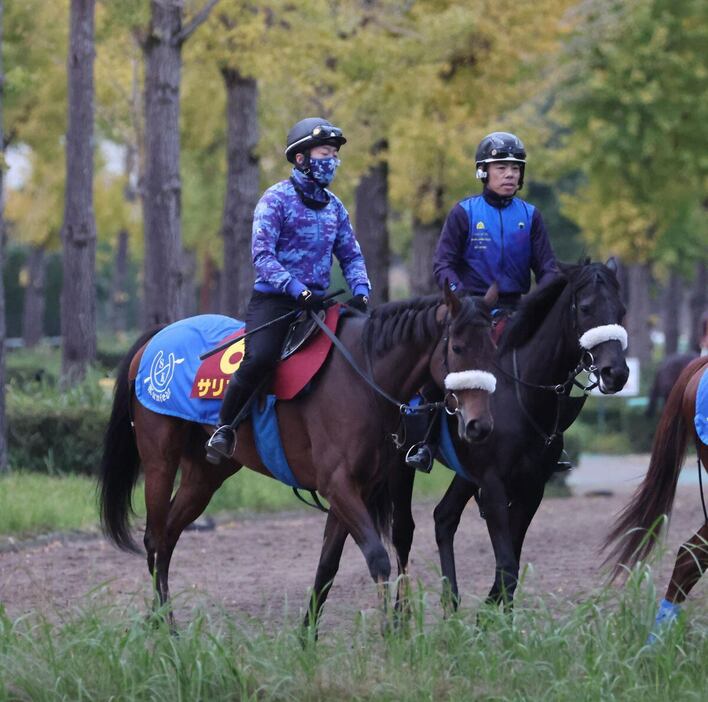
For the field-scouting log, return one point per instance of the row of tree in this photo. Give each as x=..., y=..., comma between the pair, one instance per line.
x=606, y=94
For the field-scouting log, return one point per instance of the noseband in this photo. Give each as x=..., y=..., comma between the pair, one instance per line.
x=462, y=380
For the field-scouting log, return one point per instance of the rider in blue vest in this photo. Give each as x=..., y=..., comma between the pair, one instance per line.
x=298, y=226
x=492, y=237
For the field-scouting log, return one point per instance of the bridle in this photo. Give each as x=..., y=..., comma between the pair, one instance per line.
x=587, y=341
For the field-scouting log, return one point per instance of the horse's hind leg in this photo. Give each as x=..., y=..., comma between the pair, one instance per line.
x=691, y=563
x=335, y=534
x=160, y=454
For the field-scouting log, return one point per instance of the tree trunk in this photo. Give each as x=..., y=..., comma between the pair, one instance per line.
x=671, y=311
x=189, y=289
x=372, y=227
x=119, y=285
x=242, y=190
x=638, y=312
x=425, y=239
x=3, y=422
x=33, y=311
x=209, y=300
x=162, y=188
x=698, y=304
x=78, y=297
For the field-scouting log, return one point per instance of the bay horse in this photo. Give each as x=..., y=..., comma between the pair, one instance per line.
x=334, y=437
x=564, y=326
x=638, y=526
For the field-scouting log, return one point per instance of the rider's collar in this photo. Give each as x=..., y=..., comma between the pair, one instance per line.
x=311, y=193
x=496, y=200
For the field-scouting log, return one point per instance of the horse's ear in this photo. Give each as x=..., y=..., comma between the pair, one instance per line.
x=492, y=295
x=451, y=300
x=612, y=264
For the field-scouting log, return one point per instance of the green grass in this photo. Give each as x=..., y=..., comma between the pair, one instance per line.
x=548, y=651
x=35, y=503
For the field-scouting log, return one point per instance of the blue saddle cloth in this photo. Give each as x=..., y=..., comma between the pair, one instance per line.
x=166, y=376
x=701, y=418
x=446, y=450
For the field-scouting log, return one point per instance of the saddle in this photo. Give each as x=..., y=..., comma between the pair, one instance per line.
x=299, y=333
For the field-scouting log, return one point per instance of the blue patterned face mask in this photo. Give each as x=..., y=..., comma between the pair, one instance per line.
x=323, y=169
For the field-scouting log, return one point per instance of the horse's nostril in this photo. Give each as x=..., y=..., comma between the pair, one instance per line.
x=477, y=429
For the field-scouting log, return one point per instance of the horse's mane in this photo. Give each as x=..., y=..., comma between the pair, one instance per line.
x=413, y=321
x=536, y=306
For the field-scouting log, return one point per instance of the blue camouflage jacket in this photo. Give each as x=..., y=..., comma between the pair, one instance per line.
x=293, y=244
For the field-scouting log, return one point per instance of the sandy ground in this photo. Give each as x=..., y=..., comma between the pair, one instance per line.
x=262, y=566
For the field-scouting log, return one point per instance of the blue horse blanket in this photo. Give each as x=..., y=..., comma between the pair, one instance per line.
x=166, y=378
x=701, y=418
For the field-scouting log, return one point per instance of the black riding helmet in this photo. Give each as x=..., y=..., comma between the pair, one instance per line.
x=309, y=132
x=500, y=146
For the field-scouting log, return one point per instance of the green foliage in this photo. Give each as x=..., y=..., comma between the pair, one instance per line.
x=546, y=650
x=57, y=430
x=610, y=425
x=633, y=102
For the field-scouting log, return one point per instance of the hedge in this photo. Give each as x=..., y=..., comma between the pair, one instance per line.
x=58, y=441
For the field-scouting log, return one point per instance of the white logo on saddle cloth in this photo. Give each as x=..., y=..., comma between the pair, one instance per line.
x=161, y=374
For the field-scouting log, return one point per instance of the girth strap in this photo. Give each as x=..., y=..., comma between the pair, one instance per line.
x=318, y=504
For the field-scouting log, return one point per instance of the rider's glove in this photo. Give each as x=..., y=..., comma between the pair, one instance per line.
x=307, y=301
x=359, y=302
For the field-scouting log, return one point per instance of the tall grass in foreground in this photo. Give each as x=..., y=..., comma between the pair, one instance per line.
x=547, y=651
x=34, y=503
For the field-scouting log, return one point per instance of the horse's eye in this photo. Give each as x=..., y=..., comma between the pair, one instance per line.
x=456, y=348
x=585, y=309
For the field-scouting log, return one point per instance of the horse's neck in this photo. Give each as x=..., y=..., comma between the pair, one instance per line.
x=402, y=370
x=551, y=353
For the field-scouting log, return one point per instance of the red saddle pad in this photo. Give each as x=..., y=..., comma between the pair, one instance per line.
x=291, y=375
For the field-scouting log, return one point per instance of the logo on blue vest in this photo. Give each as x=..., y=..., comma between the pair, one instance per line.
x=161, y=374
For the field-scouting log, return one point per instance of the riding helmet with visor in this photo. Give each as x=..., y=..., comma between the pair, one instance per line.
x=500, y=146
x=309, y=132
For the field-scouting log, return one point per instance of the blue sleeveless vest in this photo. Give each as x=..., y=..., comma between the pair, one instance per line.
x=498, y=244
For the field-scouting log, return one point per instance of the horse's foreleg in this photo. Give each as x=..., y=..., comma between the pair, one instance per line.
x=401, y=479
x=447, y=516
x=496, y=508
x=346, y=502
x=335, y=534
x=521, y=511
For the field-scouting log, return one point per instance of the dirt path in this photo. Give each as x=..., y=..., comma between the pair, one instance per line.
x=263, y=566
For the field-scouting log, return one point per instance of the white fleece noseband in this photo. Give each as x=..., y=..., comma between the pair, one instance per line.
x=471, y=380
x=607, y=332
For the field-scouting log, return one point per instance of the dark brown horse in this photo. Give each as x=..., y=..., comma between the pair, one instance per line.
x=562, y=327
x=336, y=437
x=638, y=526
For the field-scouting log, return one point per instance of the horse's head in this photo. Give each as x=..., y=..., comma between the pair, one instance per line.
x=598, y=312
x=462, y=359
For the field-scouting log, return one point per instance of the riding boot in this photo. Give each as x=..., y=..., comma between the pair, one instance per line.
x=222, y=442
x=423, y=430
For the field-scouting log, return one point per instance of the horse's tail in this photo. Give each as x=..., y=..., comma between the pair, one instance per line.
x=637, y=527
x=120, y=464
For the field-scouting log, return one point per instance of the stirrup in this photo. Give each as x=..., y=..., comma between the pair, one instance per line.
x=226, y=436
x=420, y=457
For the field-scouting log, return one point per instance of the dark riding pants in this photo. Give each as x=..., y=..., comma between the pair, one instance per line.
x=262, y=350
